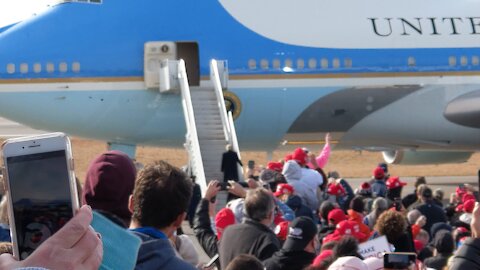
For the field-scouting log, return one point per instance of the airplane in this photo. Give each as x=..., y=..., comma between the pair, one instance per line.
x=400, y=77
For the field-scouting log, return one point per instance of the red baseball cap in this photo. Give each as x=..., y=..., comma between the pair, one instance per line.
x=378, y=173
x=336, y=189
x=223, y=219
x=300, y=156
x=336, y=215
x=394, y=182
x=282, y=189
x=275, y=166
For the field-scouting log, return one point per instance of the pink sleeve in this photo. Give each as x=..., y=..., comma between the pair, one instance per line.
x=322, y=159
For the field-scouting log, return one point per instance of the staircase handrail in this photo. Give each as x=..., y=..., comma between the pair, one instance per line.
x=215, y=78
x=193, y=143
x=235, y=145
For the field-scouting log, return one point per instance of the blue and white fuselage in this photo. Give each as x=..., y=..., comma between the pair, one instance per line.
x=378, y=75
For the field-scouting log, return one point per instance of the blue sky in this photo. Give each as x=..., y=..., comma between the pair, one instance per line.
x=16, y=10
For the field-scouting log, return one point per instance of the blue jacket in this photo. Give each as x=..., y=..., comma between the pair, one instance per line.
x=158, y=254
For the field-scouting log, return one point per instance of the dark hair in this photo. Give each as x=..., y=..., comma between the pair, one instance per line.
x=325, y=208
x=162, y=192
x=259, y=203
x=329, y=245
x=347, y=246
x=420, y=180
x=357, y=204
x=245, y=261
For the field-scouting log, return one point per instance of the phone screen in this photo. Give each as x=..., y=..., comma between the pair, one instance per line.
x=398, y=260
x=41, y=199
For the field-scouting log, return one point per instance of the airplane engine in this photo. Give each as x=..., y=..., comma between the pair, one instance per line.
x=408, y=157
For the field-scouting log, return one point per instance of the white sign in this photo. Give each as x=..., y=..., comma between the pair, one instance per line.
x=374, y=248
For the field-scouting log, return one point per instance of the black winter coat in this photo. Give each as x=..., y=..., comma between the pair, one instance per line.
x=203, y=230
x=289, y=260
x=467, y=256
x=250, y=237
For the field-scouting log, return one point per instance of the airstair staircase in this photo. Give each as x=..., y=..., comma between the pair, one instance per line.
x=209, y=127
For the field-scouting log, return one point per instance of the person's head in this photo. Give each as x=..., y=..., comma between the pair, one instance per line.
x=302, y=235
x=413, y=215
x=438, y=194
x=325, y=208
x=357, y=204
x=420, y=189
x=443, y=242
x=259, y=205
x=423, y=237
x=394, y=187
x=283, y=192
x=161, y=196
x=346, y=246
x=392, y=224
x=378, y=173
x=228, y=147
x=292, y=171
x=300, y=156
x=333, y=174
x=379, y=205
x=245, y=261
x=426, y=194
x=336, y=216
x=109, y=183
x=223, y=219
x=420, y=181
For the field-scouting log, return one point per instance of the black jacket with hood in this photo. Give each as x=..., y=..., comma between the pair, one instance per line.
x=289, y=260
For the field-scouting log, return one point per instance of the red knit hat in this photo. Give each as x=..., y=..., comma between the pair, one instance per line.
x=275, y=166
x=336, y=189
x=223, y=219
x=300, y=156
x=378, y=173
x=394, y=182
x=336, y=215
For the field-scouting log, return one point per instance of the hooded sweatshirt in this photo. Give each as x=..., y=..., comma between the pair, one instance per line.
x=109, y=183
x=293, y=174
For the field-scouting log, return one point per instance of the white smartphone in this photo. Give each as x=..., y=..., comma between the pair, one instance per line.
x=41, y=189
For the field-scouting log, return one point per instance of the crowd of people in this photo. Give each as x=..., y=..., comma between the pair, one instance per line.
x=292, y=215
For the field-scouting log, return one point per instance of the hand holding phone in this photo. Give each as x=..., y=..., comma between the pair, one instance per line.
x=41, y=188
x=399, y=260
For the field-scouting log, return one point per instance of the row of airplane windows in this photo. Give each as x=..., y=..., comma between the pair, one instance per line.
x=312, y=63
x=24, y=68
x=324, y=63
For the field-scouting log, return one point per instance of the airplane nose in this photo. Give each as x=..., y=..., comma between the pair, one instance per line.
x=465, y=110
